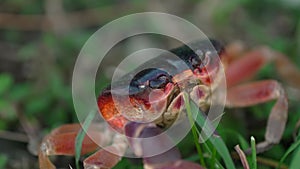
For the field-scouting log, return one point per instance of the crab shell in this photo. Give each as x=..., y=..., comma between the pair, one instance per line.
x=163, y=106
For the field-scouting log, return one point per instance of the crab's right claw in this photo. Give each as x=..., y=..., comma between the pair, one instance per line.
x=178, y=164
x=170, y=159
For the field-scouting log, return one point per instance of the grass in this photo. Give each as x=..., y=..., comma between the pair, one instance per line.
x=194, y=130
x=295, y=162
x=253, y=148
x=81, y=135
x=293, y=148
x=216, y=142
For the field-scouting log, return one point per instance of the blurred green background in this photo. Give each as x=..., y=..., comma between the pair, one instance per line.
x=40, y=41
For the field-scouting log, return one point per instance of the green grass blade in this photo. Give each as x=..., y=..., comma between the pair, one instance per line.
x=242, y=141
x=213, y=153
x=215, y=140
x=253, y=148
x=81, y=134
x=213, y=158
x=289, y=151
x=194, y=131
x=295, y=161
x=222, y=150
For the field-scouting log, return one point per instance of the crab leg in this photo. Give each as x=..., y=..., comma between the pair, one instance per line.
x=260, y=92
x=108, y=157
x=61, y=141
x=244, y=67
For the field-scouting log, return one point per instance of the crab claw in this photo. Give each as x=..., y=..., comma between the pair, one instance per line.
x=171, y=159
x=179, y=164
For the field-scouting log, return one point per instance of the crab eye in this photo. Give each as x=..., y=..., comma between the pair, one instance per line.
x=195, y=62
x=195, y=59
x=151, y=78
x=159, y=82
x=142, y=86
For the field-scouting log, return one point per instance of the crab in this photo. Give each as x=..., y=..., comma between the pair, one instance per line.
x=154, y=101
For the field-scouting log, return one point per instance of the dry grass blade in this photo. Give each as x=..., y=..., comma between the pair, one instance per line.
x=242, y=157
x=13, y=136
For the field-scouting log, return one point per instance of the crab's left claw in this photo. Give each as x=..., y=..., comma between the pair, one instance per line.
x=170, y=159
x=61, y=141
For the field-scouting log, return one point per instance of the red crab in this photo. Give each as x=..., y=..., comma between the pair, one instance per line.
x=156, y=95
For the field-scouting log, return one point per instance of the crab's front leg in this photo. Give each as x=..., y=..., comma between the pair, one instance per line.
x=61, y=141
x=171, y=159
x=244, y=65
x=260, y=92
